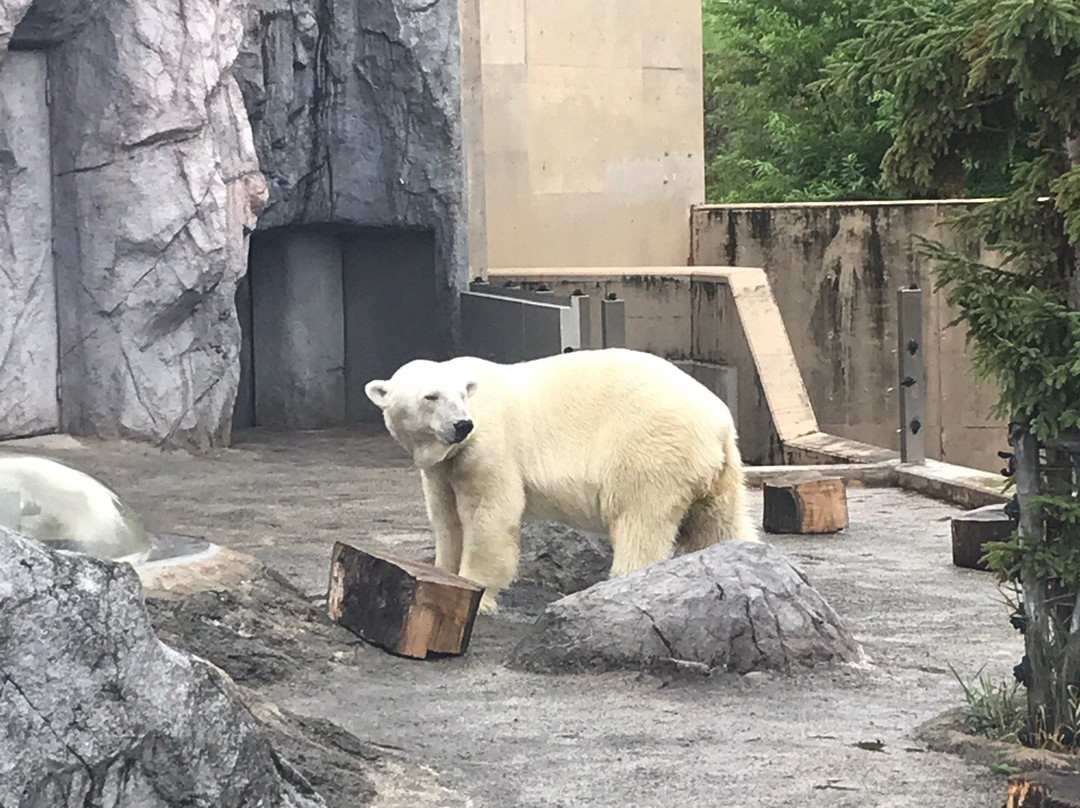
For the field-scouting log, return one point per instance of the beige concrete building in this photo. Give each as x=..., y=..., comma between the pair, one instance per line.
x=592, y=131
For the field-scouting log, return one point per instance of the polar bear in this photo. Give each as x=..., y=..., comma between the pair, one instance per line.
x=613, y=441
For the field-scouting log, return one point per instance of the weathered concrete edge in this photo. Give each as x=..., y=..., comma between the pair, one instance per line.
x=868, y=475
x=816, y=448
x=969, y=488
x=966, y=487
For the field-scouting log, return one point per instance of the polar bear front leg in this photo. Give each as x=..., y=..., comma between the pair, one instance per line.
x=491, y=527
x=442, y=512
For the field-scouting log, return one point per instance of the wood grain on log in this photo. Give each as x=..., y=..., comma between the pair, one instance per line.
x=406, y=607
x=972, y=529
x=805, y=503
x=1043, y=790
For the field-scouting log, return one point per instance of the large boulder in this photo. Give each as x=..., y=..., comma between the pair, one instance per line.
x=95, y=710
x=736, y=606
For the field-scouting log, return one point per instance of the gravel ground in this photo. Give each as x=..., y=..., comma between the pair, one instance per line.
x=503, y=739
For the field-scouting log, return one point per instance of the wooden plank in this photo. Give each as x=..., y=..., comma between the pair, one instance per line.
x=805, y=503
x=972, y=529
x=406, y=607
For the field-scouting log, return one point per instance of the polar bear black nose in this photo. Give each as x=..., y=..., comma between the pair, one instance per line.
x=462, y=430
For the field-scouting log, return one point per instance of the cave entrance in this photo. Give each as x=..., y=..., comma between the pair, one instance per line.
x=323, y=310
x=28, y=328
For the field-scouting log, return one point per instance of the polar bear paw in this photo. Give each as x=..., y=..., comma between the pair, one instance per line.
x=488, y=604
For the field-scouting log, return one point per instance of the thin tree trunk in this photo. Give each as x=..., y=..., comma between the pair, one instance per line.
x=1072, y=150
x=1038, y=635
x=1051, y=637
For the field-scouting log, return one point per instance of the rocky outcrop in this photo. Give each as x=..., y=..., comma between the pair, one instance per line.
x=155, y=179
x=166, y=119
x=27, y=284
x=356, y=113
x=95, y=710
x=11, y=12
x=736, y=606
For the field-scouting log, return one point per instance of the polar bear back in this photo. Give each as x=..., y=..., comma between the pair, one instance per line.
x=582, y=427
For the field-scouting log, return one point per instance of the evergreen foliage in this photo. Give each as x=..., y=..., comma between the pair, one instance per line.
x=985, y=85
x=770, y=134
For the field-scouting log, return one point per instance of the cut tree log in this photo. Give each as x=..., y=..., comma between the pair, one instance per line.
x=406, y=607
x=972, y=529
x=1043, y=790
x=805, y=503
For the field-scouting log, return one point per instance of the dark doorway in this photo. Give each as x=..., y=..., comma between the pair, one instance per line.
x=323, y=310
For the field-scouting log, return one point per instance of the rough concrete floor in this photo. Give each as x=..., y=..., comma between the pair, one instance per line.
x=503, y=739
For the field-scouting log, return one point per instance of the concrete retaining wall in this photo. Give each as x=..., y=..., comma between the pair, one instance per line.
x=834, y=270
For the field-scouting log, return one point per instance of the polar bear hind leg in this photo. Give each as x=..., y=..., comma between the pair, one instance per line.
x=644, y=533
x=721, y=514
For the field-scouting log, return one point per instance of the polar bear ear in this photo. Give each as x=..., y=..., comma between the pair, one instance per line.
x=470, y=387
x=378, y=391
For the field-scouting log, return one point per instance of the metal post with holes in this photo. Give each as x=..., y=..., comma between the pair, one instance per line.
x=613, y=322
x=912, y=385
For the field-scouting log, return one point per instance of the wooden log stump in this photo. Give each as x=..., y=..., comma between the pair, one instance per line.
x=972, y=529
x=1043, y=790
x=805, y=503
x=406, y=607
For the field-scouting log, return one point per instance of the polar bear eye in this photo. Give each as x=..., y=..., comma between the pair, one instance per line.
x=432, y=397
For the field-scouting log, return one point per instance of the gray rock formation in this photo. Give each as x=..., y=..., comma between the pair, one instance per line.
x=356, y=114
x=561, y=558
x=154, y=181
x=11, y=11
x=156, y=178
x=736, y=606
x=95, y=710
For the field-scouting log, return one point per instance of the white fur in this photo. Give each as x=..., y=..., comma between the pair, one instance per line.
x=60, y=503
x=613, y=441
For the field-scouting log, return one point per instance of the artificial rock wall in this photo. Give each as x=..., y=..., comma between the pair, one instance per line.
x=356, y=114
x=154, y=180
x=174, y=125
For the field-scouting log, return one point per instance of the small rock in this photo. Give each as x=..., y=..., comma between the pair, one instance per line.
x=736, y=606
x=561, y=558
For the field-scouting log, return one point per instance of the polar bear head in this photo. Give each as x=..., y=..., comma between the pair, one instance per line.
x=426, y=408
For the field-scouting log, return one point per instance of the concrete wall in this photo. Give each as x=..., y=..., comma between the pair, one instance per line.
x=657, y=305
x=834, y=270
x=592, y=131
x=393, y=312
x=298, y=323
